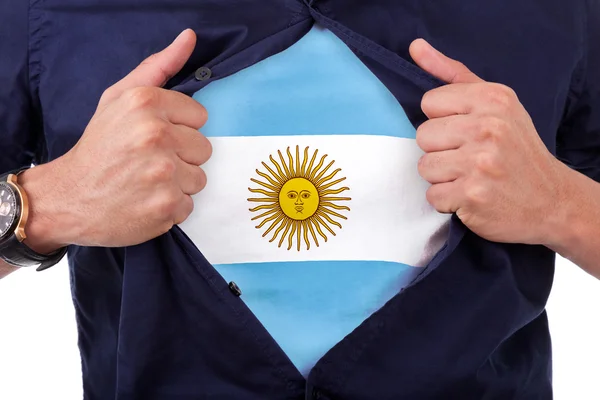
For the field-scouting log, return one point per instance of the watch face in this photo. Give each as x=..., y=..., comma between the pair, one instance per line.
x=8, y=209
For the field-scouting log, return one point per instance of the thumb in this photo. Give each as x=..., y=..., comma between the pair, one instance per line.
x=157, y=69
x=439, y=65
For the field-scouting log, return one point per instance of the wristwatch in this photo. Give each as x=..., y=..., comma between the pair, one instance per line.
x=14, y=210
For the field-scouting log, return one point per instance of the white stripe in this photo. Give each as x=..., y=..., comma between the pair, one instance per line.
x=389, y=217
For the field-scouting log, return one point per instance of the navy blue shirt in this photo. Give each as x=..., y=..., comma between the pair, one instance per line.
x=156, y=321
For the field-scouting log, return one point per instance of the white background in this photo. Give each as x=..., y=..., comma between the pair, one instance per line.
x=38, y=341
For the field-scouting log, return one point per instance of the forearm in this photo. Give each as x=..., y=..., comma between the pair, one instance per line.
x=574, y=232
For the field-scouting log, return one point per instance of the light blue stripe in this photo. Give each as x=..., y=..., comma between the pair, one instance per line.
x=310, y=306
x=316, y=87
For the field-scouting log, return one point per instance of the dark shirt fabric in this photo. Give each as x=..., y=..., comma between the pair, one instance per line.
x=157, y=322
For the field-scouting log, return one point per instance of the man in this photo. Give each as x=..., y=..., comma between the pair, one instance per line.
x=347, y=225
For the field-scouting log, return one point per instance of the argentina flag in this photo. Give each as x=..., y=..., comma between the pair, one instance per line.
x=314, y=205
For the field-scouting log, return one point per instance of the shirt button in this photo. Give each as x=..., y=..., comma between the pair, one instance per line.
x=203, y=73
x=235, y=289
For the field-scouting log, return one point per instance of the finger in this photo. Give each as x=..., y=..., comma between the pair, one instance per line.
x=442, y=166
x=191, y=178
x=439, y=65
x=192, y=146
x=181, y=109
x=460, y=98
x=444, y=197
x=469, y=98
x=184, y=209
x=157, y=69
x=447, y=133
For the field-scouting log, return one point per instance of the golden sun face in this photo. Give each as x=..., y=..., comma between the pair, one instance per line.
x=299, y=199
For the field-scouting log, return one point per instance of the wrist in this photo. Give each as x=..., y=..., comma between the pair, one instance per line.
x=564, y=222
x=48, y=226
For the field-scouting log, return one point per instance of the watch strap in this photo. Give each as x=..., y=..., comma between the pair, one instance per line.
x=20, y=255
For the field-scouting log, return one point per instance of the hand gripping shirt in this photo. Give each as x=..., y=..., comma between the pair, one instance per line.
x=159, y=321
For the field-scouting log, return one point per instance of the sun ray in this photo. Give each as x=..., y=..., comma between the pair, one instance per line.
x=319, y=219
x=310, y=165
x=262, y=199
x=264, y=221
x=271, y=180
x=264, y=207
x=309, y=222
x=316, y=169
x=334, y=206
x=264, y=184
x=335, y=198
x=291, y=163
x=327, y=178
x=316, y=178
x=288, y=175
x=266, y=213
x=288, y=225
x=291, y=235
x=284, y=222
x=272, y=195
x=330, y=184
x=274, y=174
x=298, y=233
x=331, y=212
x=273, y=225
x=297, y=161
x=316, y=223
x=304, y=161
x=305, y=236
x=322, y=214
x=336, y=191
x=280, y=173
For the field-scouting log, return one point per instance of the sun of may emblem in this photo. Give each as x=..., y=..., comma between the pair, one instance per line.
x=299, y=198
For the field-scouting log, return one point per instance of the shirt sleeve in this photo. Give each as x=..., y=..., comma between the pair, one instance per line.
x=21, y=141
x=578, y=141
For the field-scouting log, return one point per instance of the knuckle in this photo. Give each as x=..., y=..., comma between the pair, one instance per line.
x=492, y=128
x=152, y=134
x=475, y=194
x=507, y=90
x=481, y=129
x=166, y=206
x=186, y=209
x=150, y=60
x=162, y=170
x=108, y=95
x=165, y=225
x=141, y=97
x=500, y=95
x=464, y=73
x=486, y=162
